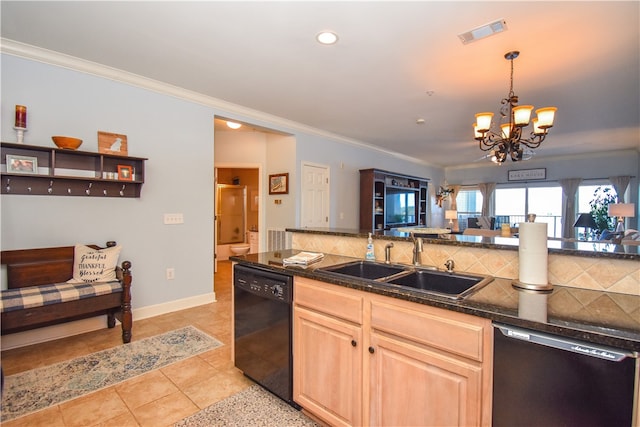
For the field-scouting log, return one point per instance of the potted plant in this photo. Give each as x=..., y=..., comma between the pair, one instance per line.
x=602, y=198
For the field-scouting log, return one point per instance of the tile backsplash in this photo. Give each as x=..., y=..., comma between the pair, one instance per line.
x=603, y=274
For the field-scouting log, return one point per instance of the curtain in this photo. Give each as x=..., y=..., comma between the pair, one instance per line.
x=569, y=190
x=487, y=190
x=454, y=204
x=620, y=184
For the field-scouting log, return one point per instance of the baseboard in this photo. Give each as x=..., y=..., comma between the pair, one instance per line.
x=50, y=333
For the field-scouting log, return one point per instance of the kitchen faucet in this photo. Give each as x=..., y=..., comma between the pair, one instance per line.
x=387, y=253
x=449, y=264
x=417, y=249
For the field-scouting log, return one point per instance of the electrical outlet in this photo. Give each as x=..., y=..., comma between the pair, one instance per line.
x=171, y=273
x=173, y=218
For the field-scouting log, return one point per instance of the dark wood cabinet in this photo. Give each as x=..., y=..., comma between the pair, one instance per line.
x=389, y=200
x=57, y=172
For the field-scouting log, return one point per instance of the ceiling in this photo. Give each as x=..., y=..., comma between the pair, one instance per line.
x=395, y=62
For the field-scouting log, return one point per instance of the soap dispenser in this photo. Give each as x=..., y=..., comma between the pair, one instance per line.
x=370, y=256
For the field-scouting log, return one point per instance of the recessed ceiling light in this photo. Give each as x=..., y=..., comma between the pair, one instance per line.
x=327, y=37
x=234, y=125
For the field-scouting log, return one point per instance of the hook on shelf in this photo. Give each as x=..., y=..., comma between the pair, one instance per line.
x=68, y=190
x=104, y=191
x=50, y=189
x=88, y=190
x=122, y=190
x=29, y=189
x=8, y=185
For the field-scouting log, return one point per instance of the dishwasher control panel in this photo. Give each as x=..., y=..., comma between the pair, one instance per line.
x=265, y=283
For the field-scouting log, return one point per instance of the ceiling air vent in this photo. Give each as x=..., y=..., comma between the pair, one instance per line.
x=483, y=31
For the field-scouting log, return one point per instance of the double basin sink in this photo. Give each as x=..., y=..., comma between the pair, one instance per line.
x=443, y=283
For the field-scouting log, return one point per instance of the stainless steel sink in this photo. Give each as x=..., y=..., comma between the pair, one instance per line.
x=431, y=281
x=451, y=285
x=366, y=270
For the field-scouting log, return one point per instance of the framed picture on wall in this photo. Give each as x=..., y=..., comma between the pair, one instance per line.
x=279, y=183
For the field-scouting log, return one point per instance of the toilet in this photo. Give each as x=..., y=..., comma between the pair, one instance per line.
x=241, y=249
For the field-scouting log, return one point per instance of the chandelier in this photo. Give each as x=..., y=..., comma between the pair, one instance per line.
x=509, y=141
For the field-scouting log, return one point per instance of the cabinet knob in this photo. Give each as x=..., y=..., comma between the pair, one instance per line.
x=354, y=343
x=372, y=350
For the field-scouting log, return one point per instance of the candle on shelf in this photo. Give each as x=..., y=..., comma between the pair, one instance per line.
x=21, y=116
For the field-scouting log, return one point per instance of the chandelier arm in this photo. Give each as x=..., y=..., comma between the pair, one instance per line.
x=535, y=140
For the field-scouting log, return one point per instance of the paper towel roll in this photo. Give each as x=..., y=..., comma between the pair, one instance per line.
x=533, y=253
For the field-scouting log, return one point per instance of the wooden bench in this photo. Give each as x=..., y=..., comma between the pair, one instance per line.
x=45, y=271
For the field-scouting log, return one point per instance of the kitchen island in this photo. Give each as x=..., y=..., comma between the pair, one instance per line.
x=598, y=317
x=364, y=350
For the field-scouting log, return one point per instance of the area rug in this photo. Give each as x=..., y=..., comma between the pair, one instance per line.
x=253, y=406
x=40, y=388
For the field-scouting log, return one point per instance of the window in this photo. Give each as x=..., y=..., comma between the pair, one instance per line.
x=585, y=195
x=469, y=204
x=514, y=203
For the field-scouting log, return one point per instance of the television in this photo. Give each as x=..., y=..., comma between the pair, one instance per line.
x=400, y=207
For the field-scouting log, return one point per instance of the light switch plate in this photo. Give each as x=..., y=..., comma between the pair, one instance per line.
x=173, y=218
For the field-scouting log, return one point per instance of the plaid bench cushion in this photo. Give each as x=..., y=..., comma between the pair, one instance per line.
x=36, y=296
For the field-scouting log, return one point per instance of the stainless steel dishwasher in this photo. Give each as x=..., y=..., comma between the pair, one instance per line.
x=546, y=380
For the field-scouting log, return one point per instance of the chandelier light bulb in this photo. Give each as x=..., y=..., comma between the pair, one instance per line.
x=484, y=121
x=506, y=130
x=546, y=116
x=522, y=115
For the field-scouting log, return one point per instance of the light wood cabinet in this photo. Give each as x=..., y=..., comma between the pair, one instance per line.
x=428, y=366
x=327, y=337
x=418, y=365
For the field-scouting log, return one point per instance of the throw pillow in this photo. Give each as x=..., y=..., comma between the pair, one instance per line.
x=94, y=265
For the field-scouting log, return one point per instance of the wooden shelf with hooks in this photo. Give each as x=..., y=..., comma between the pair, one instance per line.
x=57, y=172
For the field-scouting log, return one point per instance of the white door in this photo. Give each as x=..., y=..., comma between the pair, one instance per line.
x=315, y=195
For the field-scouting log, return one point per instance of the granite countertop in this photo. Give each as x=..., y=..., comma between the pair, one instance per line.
x=556, y=246
x=608, y=319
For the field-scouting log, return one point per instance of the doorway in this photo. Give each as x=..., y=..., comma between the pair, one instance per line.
x=237, y=209
x=315, y=195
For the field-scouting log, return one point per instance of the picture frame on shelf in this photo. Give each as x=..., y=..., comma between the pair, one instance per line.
x=279, y=183
x=112, y=143
x=125, y=173
x=22, y=164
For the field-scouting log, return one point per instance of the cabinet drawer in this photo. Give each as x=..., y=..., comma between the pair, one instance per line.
x=333, y=300
x=453, y=332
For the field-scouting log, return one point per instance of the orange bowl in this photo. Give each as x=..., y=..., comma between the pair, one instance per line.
x=66, y=142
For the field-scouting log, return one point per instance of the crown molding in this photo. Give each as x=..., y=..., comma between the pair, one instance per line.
x=50, y=57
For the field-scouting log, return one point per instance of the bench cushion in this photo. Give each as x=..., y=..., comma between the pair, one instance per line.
x=36, y=296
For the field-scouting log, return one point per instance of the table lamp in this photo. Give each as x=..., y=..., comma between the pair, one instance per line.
x=585, y=220
x=450, y=215
x=621, y=211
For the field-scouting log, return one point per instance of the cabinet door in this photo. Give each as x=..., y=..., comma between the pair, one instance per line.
x=416, y=386
x=328, y=367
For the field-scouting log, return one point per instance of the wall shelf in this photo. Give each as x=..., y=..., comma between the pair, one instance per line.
x=70, y=173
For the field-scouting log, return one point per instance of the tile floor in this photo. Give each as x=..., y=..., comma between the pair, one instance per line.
x=158, y=398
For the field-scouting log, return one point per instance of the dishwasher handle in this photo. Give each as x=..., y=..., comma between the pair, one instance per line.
x=579, y=347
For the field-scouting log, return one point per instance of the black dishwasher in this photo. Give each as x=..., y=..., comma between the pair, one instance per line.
x=262, y=328
x=546, y=380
